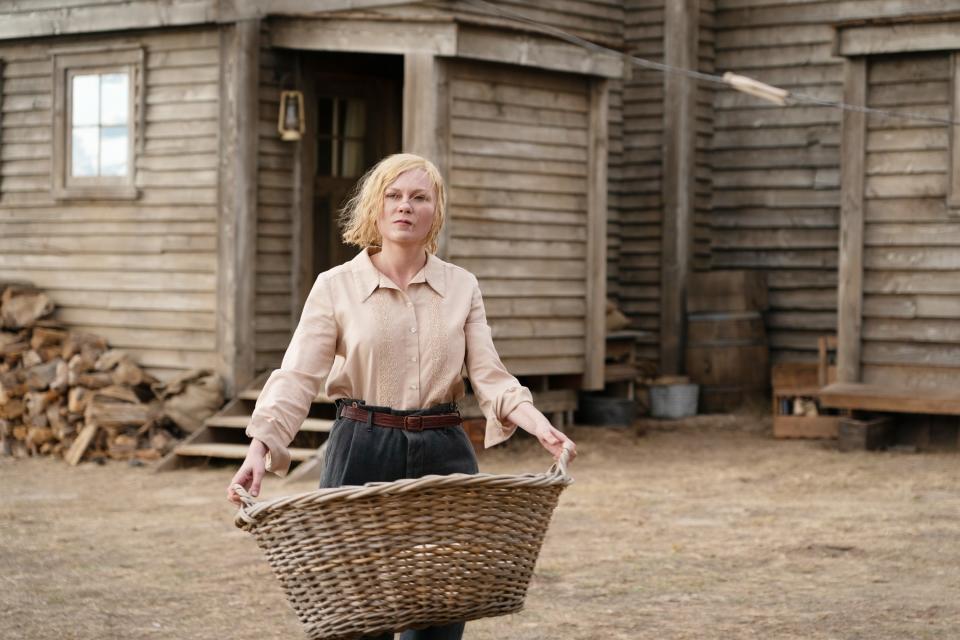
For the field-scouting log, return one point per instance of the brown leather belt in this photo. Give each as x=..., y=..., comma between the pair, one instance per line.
x=407, y=423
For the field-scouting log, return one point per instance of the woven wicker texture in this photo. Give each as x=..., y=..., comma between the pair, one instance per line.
x=391, y=556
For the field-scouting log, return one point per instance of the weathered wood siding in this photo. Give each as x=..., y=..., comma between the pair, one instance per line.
x=275, y=203
x=776, y=171
x=641, y=200
x=141, y=273
x=596, y=20
x=703, y=190
x=518, y=184
x=911, y=256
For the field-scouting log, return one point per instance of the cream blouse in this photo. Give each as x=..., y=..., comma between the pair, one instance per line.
x=370, y=340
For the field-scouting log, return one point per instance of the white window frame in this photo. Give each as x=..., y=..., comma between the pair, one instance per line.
x=71, y=62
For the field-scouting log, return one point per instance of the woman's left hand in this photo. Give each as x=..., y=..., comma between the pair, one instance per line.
x=531, y=420
x=554, y=440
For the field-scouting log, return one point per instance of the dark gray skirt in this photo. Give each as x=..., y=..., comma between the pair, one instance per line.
x=359, y=452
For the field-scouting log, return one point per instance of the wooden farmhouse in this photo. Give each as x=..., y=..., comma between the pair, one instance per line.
x=145, y=186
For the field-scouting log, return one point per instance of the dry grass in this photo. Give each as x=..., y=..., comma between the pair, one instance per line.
x=701, y=529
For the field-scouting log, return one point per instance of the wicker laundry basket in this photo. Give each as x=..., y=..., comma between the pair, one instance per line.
x=390, y=556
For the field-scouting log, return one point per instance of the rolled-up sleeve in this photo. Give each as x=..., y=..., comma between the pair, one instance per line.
x=287, y=394
x=498, y=393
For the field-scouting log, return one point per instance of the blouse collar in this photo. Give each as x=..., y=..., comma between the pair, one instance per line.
x=368, y=277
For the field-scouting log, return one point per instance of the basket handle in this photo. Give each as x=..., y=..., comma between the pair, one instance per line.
x=560, y=466
x=245, y=496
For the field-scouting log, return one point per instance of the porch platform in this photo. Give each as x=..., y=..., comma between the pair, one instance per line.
x=868, y=397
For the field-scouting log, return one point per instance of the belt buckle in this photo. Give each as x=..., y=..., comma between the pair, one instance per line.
x=413, y=423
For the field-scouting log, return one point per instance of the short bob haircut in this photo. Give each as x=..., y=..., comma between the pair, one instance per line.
x=358, y=219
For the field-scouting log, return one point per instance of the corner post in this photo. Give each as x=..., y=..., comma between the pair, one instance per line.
x=681, y=44
x=236, y=267
x=596, y=333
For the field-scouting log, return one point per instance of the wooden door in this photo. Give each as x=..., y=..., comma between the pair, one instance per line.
x=900, y=245
x=353, y=120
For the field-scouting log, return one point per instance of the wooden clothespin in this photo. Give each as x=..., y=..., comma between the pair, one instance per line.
x=757, y=88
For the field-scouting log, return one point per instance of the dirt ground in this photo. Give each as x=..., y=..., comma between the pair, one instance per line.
x=706, y=528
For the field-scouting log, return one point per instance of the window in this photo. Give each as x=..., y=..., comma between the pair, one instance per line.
x=95, y=123
x=341, y=136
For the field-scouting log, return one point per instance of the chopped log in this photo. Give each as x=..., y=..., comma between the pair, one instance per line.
x=38, y=401
x=109, y=359
x=44, y=337
x=127, y=373
x=91, y=346
x=6, y=438
x=62, y=376
x=38, y=436
x=122, y=447
x=12, y=409
x=116, y=415
x=191, y=397
x=56, y=419
x=119, y=393
x=79, y=446
x=77, y=365
x=21, y=307
x=31, y=358
x=8, y=338
x=95, y=380
x=11, y=387
x=35, y=421
x=42, y=375
x=77, y=399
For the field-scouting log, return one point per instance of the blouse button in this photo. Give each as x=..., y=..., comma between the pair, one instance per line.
x=413, y=386
x=413, y=329
x=413, y=358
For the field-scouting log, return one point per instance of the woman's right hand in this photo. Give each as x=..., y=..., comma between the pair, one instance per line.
x=251, y=472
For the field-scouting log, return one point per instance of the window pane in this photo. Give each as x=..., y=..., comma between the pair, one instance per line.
x=85, y=96
x=352, y=159
x=324, y=157
x=113, y=151
x=114, y=101
x=85, y=143
x=354, y=121
x=325, y=116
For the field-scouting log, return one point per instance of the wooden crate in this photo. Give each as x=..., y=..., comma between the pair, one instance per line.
x=794, y=380
x=870, y=434
x=826, y=427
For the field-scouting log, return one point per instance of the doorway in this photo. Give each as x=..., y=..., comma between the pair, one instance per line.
x=353, y=106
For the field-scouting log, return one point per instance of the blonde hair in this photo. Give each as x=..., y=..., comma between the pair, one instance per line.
x=358, y=219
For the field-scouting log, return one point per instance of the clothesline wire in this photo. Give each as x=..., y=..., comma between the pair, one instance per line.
x=792, y=98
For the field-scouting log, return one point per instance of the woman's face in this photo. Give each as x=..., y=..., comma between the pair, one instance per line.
x=409, y=205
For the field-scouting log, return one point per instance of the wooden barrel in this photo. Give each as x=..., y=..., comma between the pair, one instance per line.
x=727, y=355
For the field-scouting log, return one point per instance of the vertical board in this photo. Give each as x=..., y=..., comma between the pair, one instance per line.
x=518, y=178
x=911, y=254
x=850, y=286
x=142, y=273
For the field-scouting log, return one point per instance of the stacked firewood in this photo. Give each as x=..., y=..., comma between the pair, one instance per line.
x=67, y=393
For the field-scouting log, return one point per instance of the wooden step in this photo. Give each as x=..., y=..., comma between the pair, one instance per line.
x=235, y=451
x=240, y=422
x=869, y=397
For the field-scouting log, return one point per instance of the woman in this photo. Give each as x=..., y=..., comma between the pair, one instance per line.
x=389, y=333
